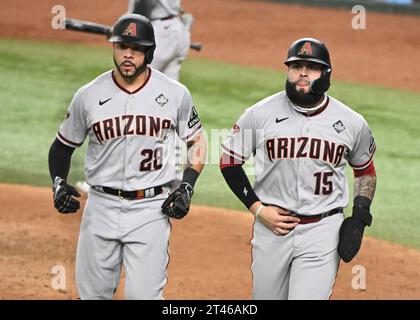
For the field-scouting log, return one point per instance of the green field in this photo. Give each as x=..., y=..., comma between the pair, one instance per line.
x=39, y=79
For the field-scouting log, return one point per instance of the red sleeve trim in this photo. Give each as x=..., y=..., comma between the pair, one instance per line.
x=232, y=153
x=368, y=171
x=229, y=161
x=359, y=167
x=193, y=133
x=69, y=142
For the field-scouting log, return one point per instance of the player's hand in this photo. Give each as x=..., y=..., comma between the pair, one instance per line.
x=351, y=232
x=178, y=202
x=278, y=220
x=63, y=196
x=352, y=228
x=350, y=238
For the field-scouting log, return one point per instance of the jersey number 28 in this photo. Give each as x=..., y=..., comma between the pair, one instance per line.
x=153, y=160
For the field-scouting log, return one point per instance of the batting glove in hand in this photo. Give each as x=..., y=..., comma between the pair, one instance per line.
x=63, y=200
x=351, y=233
x=178, y=203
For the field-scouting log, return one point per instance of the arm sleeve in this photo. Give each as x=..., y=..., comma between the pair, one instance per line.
x=59, y=159
x=361, y=155
x=236, y=149
x=237, y=180
x=189, y=123
x=73, y=130
x=241, y=141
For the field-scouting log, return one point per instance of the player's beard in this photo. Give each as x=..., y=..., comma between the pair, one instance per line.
x=137, y=70
x=300, y=98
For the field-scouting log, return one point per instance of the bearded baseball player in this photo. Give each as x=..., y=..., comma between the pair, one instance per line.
x=301, y=140
x=132, y=115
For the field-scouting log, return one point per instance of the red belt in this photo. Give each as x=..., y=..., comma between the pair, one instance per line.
x=314, y=218
x=305, y=220
x=317, y=217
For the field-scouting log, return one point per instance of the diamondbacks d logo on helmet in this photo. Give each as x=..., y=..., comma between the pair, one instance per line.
x=306, y=49
x=131, y=30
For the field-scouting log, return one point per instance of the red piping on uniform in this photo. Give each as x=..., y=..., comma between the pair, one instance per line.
x=359, y=167
x=138, y=89
x=169, y=257
x=229, y=161
x=321, y=109
x=68, y=141
x=368, y=171
x=252, y=256
x=232, y=153
x=192, y=134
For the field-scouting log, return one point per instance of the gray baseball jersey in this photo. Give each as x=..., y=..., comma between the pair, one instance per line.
x=131, y=135
x=155, y=9
x=172, y=35
x=300, y=160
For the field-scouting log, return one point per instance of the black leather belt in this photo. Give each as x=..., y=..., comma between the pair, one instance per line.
x=132, y=195
x=166, y=18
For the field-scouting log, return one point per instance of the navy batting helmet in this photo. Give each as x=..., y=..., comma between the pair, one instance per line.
x=309, y=49
x=135, y=29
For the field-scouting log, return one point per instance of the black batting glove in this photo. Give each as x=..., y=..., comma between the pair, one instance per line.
x=63, y=196
x=178, y=202
x=352, y=229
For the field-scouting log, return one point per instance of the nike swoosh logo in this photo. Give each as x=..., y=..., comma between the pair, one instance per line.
x=102, y=102
x=280, y=120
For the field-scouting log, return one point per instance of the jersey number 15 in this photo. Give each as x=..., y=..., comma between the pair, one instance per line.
x=322, y=183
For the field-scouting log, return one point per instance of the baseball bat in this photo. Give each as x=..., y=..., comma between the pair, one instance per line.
x=97, y=28
x=196, y=46
x=87, y=26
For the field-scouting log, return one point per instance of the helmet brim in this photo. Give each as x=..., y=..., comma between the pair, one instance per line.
x=128, y=39
x=311, y=59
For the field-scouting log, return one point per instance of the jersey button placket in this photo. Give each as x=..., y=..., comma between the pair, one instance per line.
x=126, y=146
x=307, y=122
x=300, y=179
x=305, y=162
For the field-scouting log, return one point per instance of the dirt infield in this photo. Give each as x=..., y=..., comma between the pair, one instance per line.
x=210, y=254
x=210, y=249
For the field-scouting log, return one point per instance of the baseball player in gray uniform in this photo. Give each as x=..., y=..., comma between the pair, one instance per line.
x=132, y=115
x=172, y=32
x=172, y=37
x=301, y=140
